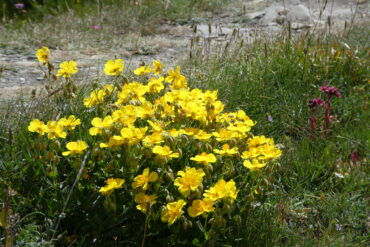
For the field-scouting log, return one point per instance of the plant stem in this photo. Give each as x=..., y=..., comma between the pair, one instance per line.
x=70, y=193
x=327, y=113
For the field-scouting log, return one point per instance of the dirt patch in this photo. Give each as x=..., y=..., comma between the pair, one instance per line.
x=20, y=72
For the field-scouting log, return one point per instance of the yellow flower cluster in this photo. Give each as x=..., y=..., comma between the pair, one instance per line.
x=54, y=129
x=172, y=129
x=158, y=116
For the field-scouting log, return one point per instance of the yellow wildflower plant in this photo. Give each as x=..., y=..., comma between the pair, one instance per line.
x=43, y=55
x=199, y=207
x=204, y=158
x=67, y=69
x=143, y=70
x=100, y=124
x=112, y=184
x=222, y=190
x=173, y=211
x=113, y=67
x=69, y=123
x=142, y=181
x=164, y=152
x=77, y=147
x=55, y=130
x=189, y=180
x=37, y=126
x=144, y=201
x=152, y=131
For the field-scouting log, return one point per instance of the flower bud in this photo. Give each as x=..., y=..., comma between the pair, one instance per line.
x=56, y=160
x=57, y=144
x=50, y=155
x=169, y=175
x=169, y=198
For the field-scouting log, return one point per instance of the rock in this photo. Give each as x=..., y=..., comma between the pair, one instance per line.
x=271, y=13
x=256, y=15
x=299, y=13
x=360, y=1
x=299, y=26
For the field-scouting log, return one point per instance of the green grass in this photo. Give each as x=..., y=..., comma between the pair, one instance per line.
x=303, y=200
x=121, y=23
x=306, y=201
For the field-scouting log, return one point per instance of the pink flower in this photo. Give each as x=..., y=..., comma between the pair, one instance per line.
x=96, y=27
x=355, y=156
x=312, y=103
x=19, y=5
x=330, y=91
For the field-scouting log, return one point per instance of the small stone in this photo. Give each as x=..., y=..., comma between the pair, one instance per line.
x=280, y=19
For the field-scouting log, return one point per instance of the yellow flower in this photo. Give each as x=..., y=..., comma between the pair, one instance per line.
x=254, y=165
x=114, y=141
x=199, y=207
x=134, y=91
x=204, y=158
x=145, y=110
x=226, y=150
x=270, y=152
x=259, y=140
x=173, y=211
x=37, y=126
x=174, y=133
x=96, y=97
x=126, y=115
x=113, y=67
x=100, y=124
x=54, y=130
x=132, y=135
x=109, y=89
x=75, y=148
x=175, y=77
x=189, y=180
x=155, y=138
x=112, y=184
x=70, y=123
x=155, y=85
x=157, y=67
x=43, y=54
x=143, y=70
x=143, y=179
x=202, y=136
x=224, y=135
x=222, y=190
x=165, y=152
x=144, y=201
x=67, y=69
x=190, y=131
